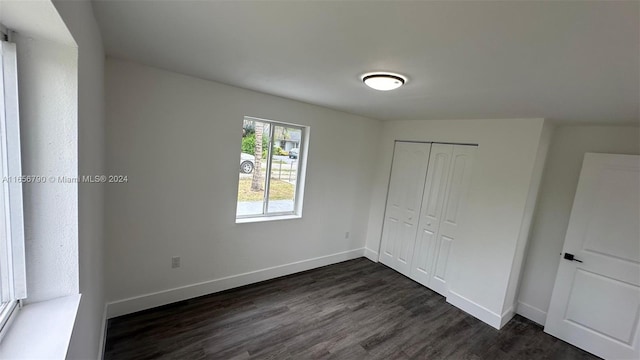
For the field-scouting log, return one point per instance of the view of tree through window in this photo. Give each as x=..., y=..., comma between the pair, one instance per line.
x=268, y=148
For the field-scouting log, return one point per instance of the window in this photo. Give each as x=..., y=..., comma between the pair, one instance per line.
x=277, y=149
x=12, y=266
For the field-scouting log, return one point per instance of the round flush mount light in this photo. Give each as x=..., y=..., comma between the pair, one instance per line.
x=383, y=81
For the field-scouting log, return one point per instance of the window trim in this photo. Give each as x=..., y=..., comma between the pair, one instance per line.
x=8, y=312
x=13, y=276
x=299, y=192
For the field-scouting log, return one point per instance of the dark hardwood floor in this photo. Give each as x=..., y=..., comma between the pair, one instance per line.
x=353, y=310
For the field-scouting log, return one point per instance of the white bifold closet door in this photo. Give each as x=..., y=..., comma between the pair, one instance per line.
x=427, y=191
x=445, y=192
x=408, y=172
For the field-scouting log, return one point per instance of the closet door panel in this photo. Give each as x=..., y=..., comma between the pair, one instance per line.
x=392, y=228
x=456, y=194
x=406, y=185
x=442, y=259
x=421, y=266
x=431, y=212
x=391, y=231
x=405, y=247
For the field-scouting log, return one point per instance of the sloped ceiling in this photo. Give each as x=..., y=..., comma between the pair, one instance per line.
x=573, y=61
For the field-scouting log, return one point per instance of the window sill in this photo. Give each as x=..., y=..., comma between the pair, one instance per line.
x=41, y=330
x=267, y=218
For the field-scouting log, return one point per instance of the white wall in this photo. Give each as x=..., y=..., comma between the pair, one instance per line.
x=559, y=183
x=178, y=140
x=502, y=177
x=510, y=304
x=86, y=340
x=47, y=85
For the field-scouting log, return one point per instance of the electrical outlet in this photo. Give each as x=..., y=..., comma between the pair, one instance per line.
x=175, y=262
x=346, y=235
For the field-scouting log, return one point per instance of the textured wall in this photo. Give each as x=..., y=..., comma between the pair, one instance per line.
x=87, y=337
x=47, y=80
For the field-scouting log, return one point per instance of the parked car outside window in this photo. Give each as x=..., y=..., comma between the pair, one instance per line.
x=247, y=163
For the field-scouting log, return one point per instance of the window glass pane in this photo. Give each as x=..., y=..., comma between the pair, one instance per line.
x=284, y=169
x=253, y=168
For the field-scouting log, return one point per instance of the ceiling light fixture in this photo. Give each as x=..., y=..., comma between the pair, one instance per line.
x=383, y=81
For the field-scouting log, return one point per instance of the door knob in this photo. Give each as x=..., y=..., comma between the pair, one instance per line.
x=570, y=257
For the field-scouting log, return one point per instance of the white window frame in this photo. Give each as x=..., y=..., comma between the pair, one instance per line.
x=299, y=190
x=12, y=255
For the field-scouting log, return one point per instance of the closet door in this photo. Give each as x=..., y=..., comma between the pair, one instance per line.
x=455, y=200
x=408, y=173
x=431, y=212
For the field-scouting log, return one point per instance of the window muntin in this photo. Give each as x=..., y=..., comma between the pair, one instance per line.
x=279, y=148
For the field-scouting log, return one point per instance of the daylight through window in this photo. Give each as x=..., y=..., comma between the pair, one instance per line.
x=272, y=148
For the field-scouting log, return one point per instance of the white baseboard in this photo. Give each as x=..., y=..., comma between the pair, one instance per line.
x=371, y=255
x=532, y=313
x=506, y=316
x=476, y=310
x=151, y=300
x=103, y=334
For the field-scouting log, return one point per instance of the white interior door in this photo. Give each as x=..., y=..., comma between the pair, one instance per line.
x=455, y=201
x=596, y=297
x=446, y=187
x=431, y=212
x=408, y=172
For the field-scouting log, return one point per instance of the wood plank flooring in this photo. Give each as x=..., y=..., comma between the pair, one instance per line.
x=352, y=310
